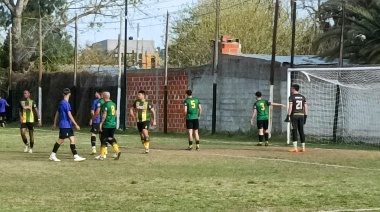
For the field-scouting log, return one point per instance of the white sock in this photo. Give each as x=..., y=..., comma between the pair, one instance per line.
x=94, y=147
x=76, y=156
x=52, y=154
x=303, y=145
x=295, y=144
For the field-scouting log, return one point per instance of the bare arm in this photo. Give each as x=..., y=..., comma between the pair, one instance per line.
x=55, y=121
x=200, y=110
x=278, y=104
x=306, y=109
x=185, y=110
x=290, y=109
x=253, y=116
x=153, y=111
x=73, y=120
x=132, y=112
x=38, y=116
x=104, y=116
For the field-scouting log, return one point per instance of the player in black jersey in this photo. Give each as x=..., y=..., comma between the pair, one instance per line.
x=297, y=114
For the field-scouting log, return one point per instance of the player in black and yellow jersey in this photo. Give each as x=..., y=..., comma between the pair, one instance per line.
x=145, y=115
x=27, y=107
x=297, y=114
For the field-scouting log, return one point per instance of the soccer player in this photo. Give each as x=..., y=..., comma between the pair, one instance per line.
x=142, y=111
x=94, y=121
x=66, y=121
x=107, y=127
x=98, y=113
x=193, y=111
x=27, y=107
x=297, y=114
x=261, y=109
x=3, y=114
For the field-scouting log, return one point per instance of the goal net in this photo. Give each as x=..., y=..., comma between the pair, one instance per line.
x=344, y=104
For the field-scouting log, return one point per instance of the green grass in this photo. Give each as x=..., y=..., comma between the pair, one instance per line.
x=229, y=173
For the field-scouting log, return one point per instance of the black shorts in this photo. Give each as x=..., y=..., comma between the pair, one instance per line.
x=28, y=125
x=95, y=128
x=65, y=133
x=192, y=124
x=262, y=124
x=297, y=121
x=107, y=133
x=3, y=115
x=143, y=125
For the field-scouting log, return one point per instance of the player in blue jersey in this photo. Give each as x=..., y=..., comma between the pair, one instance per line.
x=66, y=121
x=95, y=120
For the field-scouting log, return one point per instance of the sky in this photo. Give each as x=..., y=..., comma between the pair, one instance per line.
x=150, y=16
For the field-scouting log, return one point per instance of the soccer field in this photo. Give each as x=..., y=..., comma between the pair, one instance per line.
x=227, y=174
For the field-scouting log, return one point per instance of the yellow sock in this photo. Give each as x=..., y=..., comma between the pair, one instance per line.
x=102, y=151
x=115, y=147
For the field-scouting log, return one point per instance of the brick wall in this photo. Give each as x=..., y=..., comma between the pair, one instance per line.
x=153, y=84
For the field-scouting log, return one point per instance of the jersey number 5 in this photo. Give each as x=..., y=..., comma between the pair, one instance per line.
x=192, y=103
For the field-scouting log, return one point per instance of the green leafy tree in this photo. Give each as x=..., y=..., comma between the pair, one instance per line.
x=250, y=21
x=361, y=39
x=18, y=13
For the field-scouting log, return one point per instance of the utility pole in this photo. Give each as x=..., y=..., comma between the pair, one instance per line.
x=119, y=75
x=40, y=69
x=76, y=51
x=294, y=18
x=273, y=61
x=215, y=66
x=123, y=107
x=9, y=115
x=166, y=75
x=137, y=44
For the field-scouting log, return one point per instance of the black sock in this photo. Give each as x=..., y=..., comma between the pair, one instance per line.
x=190, y=143
x=31, y=144
x=197, y=142
x=25, y=141
x=73, y=150
x=56, y=147
x=266, y=135
x=93, y=140
x=261, y=138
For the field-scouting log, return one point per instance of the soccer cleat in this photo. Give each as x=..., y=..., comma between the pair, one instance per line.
x=293, y=150
x=114, y=155
x=79, y=158
x=93, y=152
x=303, y=150
x=54, y=158
x=189, y=148
x=118, y=156
x=26, y=148
x=266, y=143
x=259, y=144
x=99, y=158
x=197, y=148
x=146, y=151
x=30, y=150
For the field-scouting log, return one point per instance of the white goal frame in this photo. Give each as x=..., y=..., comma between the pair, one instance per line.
x=304, y=72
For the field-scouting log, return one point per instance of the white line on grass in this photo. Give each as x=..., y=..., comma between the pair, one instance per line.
x=354, y=210
x=301, y=162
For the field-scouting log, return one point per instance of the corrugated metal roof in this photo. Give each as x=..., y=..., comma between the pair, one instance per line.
x=298, y=59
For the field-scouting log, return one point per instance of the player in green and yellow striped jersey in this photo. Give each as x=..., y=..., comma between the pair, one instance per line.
x=27, y=107
x=144, y=113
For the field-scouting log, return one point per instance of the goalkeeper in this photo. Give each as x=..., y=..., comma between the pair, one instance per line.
x=297, y=114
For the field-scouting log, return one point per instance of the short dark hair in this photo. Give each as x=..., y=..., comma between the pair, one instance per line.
x=66, y=91
x=296, y=87
x=142, y=91
x=258, y=94
x=99, y=91
x=189, y=92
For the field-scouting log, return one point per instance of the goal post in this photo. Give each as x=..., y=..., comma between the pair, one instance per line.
x=344, y=104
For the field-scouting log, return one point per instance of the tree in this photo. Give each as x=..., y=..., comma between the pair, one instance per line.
x=57, y=8
x=250, y=21
x=361, y=39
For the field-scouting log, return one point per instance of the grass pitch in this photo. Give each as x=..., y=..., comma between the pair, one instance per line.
x=228, y=174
